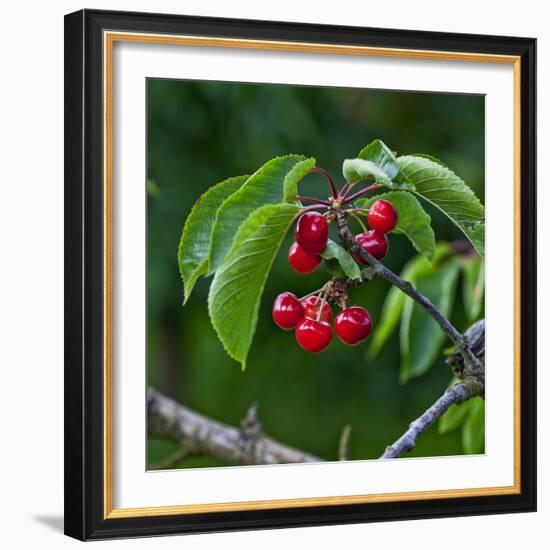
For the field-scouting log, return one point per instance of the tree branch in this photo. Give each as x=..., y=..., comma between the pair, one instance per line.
x=181, y=454
x=455, y=395
x=469, y=386
x=199, y=434
x=202, y=435
x=348, y=241
x=343, y=447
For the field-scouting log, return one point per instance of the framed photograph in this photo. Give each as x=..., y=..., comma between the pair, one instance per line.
x=300, y=274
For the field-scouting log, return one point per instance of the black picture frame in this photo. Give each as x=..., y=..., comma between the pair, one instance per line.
x=84, y=290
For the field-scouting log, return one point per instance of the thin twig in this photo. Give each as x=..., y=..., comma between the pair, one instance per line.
x=343, y=447
x=173, y=459
x=455, y=395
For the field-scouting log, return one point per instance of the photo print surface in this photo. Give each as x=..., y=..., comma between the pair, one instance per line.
x=310, y=251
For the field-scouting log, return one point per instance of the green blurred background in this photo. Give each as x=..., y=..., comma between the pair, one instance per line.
x=200, y=133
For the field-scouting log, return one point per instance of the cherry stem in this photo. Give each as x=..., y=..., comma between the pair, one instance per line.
x=359, y=221
x=312, y=207
x=344, y=190
x=320, y=309
x=362, y=192
x=322, y=171
x=312, y=293
x=305, y=198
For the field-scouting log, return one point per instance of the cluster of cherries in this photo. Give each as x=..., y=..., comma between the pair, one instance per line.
x=312, y=315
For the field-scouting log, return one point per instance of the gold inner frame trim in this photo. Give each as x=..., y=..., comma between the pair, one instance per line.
x=109, y=39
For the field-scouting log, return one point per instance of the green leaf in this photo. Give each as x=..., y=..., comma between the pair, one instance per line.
x=418, y=266
x=441, y=187
x=405, y=340
x=473, y=430
x=473, y=287
x=476, y=235
x=236, y=291
x=388, y=321
x=412, y=221
x=194, y=245
x=454, y=417
x=294, y=176
x=393, y=305
x=356, y=170
x=421, y=337
x=381, y=155
x=273, y=183
x=349, y=266
x=153, y=190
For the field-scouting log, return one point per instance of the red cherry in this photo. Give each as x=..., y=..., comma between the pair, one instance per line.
x=382, y=216
x=287, y=311
x=312, y=232
x=301, y=260
x=353, y=325
x=313, y=336
x=374, y=242
x=311, y=309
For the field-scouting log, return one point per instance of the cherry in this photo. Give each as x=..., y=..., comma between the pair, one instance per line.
x=312, y=232
x=287, y=311
x=313, y=336
x=312, y=305
x=374, y=242
x=353, y=325
x=301, y=260
x=382, y=216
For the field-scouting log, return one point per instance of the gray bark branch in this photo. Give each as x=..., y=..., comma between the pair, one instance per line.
x=199, y=434
x=455, y=395
x=471, y=384
x=202, y=435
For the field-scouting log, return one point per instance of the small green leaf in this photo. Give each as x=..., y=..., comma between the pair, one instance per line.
x=412, y=221
x=405, y=340
x=441, y=187
x=349, y=266
x=418, y=266
x=473, y=287
x=388, y=321
x=421, y=336
x=273, y=183
x=236, y=291
x=379, y=153
x=393, y=305
x=356, y=170
x=153, y=190
x=335, y=269
x=473, y=429
x=194, y=244
x=454, y=417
